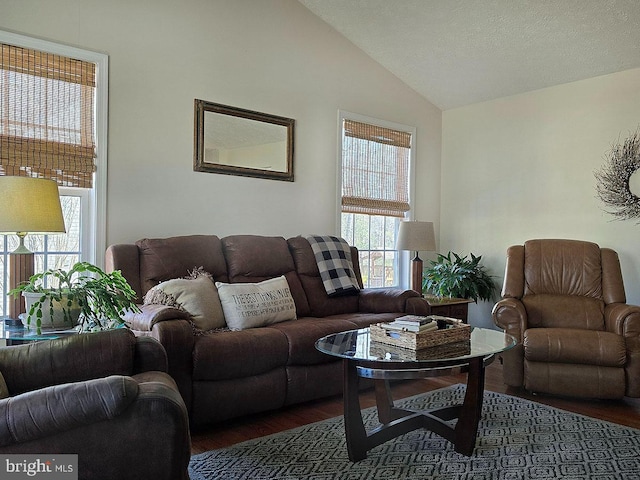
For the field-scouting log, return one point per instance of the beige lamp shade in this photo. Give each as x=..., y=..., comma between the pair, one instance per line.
x=30, y=205
x=27, y=205
x=416, y=236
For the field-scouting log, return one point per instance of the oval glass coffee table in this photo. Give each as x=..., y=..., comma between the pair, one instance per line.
x=365, y=358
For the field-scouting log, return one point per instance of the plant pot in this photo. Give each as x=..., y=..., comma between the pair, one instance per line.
x=47, y=321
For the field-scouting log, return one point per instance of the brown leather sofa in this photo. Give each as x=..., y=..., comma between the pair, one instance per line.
x=104, y=396
x=564, y=301
x=227, y=374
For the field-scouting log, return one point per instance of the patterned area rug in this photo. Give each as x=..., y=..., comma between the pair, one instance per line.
x=517, y=439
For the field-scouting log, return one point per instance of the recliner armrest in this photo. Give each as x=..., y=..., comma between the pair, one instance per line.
x=622, y=319
x=150, y=355
x=510, y=315
x=72, y=358
x=48, y=411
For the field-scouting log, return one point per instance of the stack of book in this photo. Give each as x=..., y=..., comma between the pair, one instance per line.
x=416, y=332
x=411, y=323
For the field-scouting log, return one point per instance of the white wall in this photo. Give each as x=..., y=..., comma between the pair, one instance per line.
x=272, y=56
x=523, y=167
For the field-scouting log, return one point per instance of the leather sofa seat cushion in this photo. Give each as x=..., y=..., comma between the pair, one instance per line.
x=564, y=311
x=302, y=334
x=166, y=258
x=233, y=355
x=573, y=346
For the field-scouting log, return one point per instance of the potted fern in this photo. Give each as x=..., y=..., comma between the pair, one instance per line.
x=456, y=276
x=84, y=295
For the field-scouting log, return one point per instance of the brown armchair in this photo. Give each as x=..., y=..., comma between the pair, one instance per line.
x=103, y=396
x=565, y=303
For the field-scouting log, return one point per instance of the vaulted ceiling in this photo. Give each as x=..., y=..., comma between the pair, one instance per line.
x=459, y=52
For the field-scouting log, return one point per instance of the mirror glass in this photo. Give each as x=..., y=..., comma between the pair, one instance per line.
x=236, y=141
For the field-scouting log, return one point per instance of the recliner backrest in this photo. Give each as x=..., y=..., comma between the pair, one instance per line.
x=563, y=283
x=562, y=267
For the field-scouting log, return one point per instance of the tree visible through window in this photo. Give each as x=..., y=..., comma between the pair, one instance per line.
x=375, y=178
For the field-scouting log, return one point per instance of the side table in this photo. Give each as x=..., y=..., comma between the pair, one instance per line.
x=448, y=307
x=17, y=334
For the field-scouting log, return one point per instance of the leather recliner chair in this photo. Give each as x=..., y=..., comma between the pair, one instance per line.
x=103, y=396
x=564, y=301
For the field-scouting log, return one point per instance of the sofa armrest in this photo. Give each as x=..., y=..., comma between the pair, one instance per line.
x=510, y=315
x=177, y=337
x=383, y=300
x=148, y=438
x=48, y=411
x=150, y=355
x=72, y=358
x=149, y=315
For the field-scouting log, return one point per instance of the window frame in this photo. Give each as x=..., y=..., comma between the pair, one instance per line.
x=95, y=227
x=84, y=246
x=402, y=256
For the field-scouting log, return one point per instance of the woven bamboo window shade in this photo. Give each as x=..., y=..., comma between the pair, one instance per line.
x=46, y=116
x=375, y=170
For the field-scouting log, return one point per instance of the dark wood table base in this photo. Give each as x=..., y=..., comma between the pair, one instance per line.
x=397, y=421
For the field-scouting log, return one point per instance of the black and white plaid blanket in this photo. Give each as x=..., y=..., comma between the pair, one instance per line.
x=334, y=262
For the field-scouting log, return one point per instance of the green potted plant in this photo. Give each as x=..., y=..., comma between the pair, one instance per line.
x=455, y=276
x=85, y=295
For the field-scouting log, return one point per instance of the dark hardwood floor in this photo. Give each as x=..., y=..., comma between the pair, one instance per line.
x=624, y=412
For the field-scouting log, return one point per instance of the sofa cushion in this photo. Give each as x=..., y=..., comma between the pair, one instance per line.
x=570, y=311
x=302, y=334
x=254, y=258
x=573, y=346
x=250, y=305
x=166, y=258
x=320, y=304
x=196, y=296
x=333, y=258
x=229, y=355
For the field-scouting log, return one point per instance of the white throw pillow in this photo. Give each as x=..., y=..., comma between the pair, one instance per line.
x=249, y=305
x=198, y=297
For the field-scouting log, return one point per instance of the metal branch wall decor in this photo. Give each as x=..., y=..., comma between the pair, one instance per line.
x=613, y=178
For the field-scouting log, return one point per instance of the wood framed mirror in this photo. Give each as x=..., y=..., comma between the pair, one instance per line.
x=235, y=141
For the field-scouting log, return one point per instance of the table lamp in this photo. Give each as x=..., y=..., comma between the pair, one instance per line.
x=27, y=205
x=416, y=236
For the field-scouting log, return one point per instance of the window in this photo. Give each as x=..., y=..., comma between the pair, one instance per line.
x=375, y=177
x=53, y=119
